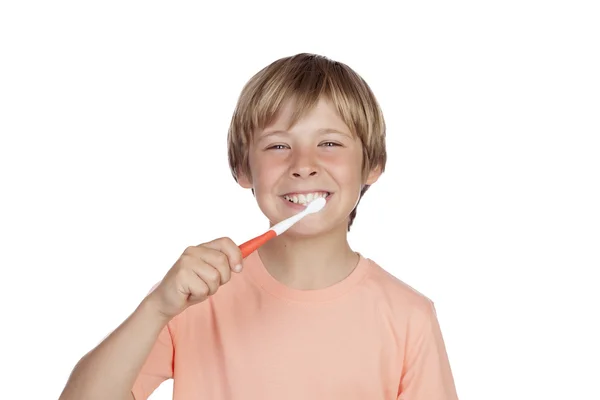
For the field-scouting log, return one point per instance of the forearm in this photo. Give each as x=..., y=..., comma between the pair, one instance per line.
x=110, y=370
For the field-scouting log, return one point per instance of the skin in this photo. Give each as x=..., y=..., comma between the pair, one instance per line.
x=319, y=153
x=313, y=254
x=110, y=370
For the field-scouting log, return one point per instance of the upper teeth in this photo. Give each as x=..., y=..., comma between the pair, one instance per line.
x=304, y=198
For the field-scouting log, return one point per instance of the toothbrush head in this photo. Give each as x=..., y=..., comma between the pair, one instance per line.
x=315, y=205
x=312, y=207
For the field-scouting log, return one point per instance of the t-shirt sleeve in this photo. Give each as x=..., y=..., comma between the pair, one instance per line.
x=426, y=373
x=158, y=366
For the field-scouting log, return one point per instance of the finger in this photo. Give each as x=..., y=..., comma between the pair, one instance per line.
x=217, y=260
x=213, y=257
x=211, y=276
x=197, y=288
x=229, y=248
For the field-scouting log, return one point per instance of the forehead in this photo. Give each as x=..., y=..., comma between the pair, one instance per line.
x=323, y=116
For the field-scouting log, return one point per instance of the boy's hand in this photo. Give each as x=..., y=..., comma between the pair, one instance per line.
x=196, y=275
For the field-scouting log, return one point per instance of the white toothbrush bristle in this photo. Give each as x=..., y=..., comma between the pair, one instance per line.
x=316, y=205
x=312, y=207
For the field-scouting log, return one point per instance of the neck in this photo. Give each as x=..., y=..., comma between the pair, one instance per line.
x=309, y=262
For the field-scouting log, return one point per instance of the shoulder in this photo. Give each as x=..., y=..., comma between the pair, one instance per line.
x=395, y=294
x=406, y=313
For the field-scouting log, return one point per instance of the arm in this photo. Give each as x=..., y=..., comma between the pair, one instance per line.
x=427, y=374
x=138, y=355
x=109, y=371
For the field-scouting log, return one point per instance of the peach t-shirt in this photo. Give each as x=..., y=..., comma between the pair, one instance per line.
x=370, y=336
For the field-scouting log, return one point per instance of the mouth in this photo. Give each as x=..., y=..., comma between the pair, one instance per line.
x=303, y=198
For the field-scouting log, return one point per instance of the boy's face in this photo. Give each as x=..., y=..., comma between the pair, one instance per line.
x=318, y=156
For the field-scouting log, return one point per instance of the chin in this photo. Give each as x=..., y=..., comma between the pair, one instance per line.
x=306, y=230
x=309, y=227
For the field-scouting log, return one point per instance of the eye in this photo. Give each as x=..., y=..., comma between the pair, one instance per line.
x=330, y=144
x=277, y=147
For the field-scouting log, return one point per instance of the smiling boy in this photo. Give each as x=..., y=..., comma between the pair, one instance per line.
x=307, y=317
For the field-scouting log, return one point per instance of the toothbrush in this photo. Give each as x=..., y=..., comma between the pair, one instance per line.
x=276, y=230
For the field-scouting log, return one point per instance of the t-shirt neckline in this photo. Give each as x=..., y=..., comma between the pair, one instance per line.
x=261, y=276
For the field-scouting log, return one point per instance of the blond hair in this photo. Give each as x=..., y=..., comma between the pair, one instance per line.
x=306, y=78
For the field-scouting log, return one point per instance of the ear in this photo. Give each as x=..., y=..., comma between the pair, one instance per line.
x=244, y=181
x=374, y=175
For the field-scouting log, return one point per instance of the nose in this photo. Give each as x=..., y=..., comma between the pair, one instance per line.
x=304, y=165
x=304, y=174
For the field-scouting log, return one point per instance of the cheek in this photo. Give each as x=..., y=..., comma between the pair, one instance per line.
x=346, y=167
x=266, y=170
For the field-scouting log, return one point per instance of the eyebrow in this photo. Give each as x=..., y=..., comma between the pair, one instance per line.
x=328, y=130
x=321, y=131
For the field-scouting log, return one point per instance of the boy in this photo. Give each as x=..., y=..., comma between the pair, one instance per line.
x=306, y=317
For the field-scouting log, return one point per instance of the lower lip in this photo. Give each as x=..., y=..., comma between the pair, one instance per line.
x=301, y=207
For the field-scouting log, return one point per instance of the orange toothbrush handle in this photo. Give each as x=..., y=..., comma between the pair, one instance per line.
x=253, y=244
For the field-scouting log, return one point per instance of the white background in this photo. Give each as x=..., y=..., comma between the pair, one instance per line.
x=114, y=117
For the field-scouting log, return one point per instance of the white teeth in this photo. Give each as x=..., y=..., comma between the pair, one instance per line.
x=305, y=198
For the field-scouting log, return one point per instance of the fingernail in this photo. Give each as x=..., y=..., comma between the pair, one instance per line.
x=237, y=268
